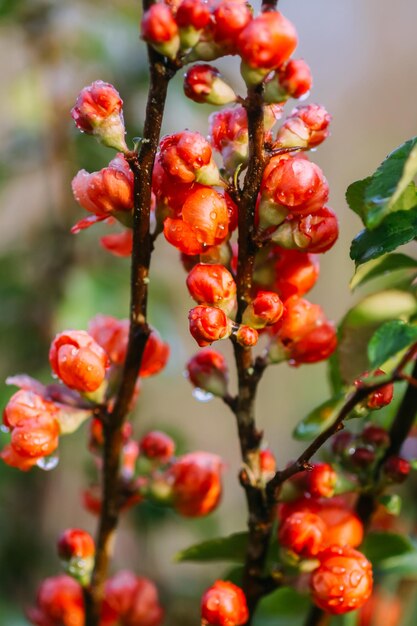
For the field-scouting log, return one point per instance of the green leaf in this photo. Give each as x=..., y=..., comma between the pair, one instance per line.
x=355, y=196
x=392, y=178
x=403, y=565
x=389, y=263
x=358, y=326
x=390, y=339
x=392, y=503
x=396, y=230
x=231, y=548
x=319, y=419
x=379, y=546
x=284, y=607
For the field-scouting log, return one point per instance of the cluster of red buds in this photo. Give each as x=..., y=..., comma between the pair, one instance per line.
x=319, y=533
x=129, y=600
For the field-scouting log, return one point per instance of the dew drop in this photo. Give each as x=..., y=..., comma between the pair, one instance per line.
x=4, y=429
x=48, y=463
x=201, y=395
x=213, y=215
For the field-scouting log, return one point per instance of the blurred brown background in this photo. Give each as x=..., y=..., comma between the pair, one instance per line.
x=363, y=57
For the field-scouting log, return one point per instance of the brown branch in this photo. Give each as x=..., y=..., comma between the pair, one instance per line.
x=141, y=166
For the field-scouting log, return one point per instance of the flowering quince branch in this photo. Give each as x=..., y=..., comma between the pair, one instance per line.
x=245, y=291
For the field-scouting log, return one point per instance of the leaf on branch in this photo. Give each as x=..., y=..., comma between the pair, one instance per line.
x=319, y=419
x=384, y=193
x=231, y=548
x=379, y=546
x=283, y=607
x=357, y=327
x=390, y=264
x=396, y=230
x=355, y=196
x=392, y=503
x=388, y=340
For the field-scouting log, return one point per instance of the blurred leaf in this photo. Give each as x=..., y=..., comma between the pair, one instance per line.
x=404, y=565
x=284, y=607
x=392, y=503
x=359, y=324
x=231, y=548
x=379, y=546
x=396, y=230
x=383, y=194
x=319, y=419
x=387, y=264
x=390, y=339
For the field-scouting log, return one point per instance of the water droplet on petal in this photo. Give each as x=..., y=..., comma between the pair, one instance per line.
x=48, y=463
x=201, y=395
x=4, y=429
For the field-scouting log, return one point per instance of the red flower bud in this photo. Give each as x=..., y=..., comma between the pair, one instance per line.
x=75, y=543
x=343, y=526
x=310, y=233
x=295, y=272
x=322, y=480
x=131, y=600
x=78, y=360
x=194, y=13
x=112, y=335
x=265, y=309
x=98, y=111
x=229, y=136
x=224, y=604
x=202, y=83
x=396, y=469
x=304, y=334
x=362, y=456
x=119, y=244
x=246, y=336
x=196, y=483
x=267, y=41
x=230, y=18
x=187, y=156
x=13, y=459
x=307, y=127
x=155, y=355
x=295, y=184
x=207, y=370
x=208, y=324
x=376, y=436
x=157, y=446
x=213, y=285
x=295, y=78
x=343, y=582
x=267, y=462
x=59, y=603
x=381, y=397
x=303, y=533
x=341, y=442
x=106, y=192
x=160, y=30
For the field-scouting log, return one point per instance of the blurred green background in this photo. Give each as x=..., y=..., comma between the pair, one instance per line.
x=363, y=58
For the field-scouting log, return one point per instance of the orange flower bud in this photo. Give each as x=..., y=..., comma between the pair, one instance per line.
x=26, y=405
x=303, y=533
x=78, y=360
x=196, y=483
x=246, y=336
x=160, y=30
x=224, y=604
x=230, y=18
x=307, y=127
x=131, y=600
x=112, y=335
x=343, y=526
x=267, y=41
x=322, y=480
x=98, y=111
x=75, y=543
x=295, y=272
x=311, y=233
x=106, y=192
x=187, y=156
x=36, y=438
x=343, y=582
x=119, y=244
x=155, y=356
x=213, y=285
x=203, y=83
x=59, y=601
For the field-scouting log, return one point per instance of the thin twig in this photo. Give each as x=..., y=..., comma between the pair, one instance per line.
x=141, y=166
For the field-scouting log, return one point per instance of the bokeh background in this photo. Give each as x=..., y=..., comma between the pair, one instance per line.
x=363, y=56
